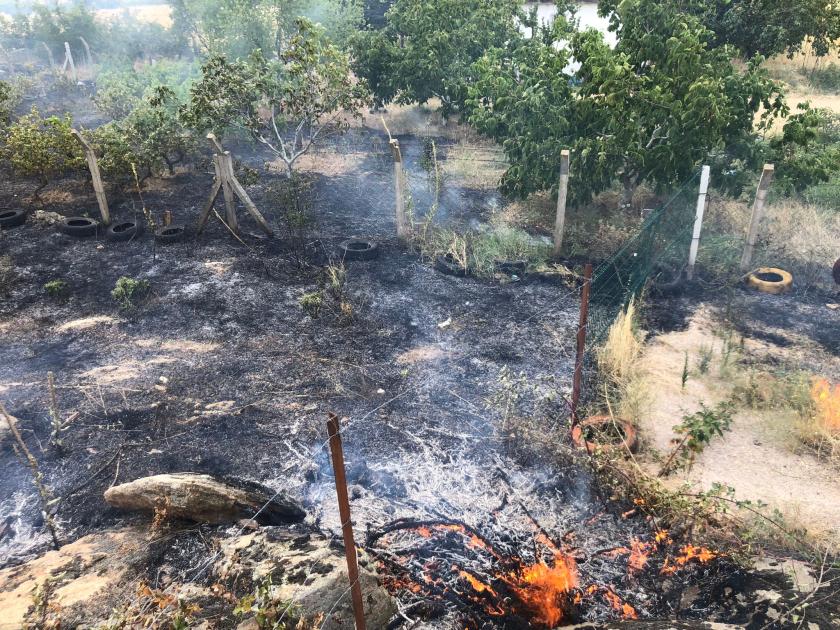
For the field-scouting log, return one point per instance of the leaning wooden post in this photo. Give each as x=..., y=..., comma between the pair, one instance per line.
x=69, y=59
x=562, y=190
x=346, y=524
x=757, y=214
x=93, y=165
x=581, y=339
x=221, y=163
x=88, y=56
x=49, y=55
x=698, y=221
x=403, y=230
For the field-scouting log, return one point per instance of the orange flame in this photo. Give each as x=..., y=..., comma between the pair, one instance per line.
x=626, y=610
x=478, y=585
x=542, y=588
x=688, y=553
x=827, y=402
x=639, y=553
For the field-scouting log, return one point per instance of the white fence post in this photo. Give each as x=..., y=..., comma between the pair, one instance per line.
x=698, y=221
x=757, y=214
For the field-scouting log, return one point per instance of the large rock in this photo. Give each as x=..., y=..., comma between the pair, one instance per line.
x=204, y=499
x=305, y=569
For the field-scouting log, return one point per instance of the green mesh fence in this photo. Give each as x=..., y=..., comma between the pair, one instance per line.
x=660, y=246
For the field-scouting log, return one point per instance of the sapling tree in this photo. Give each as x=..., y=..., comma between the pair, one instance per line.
x=647, y=110
x=287, y=104
x=42, y=148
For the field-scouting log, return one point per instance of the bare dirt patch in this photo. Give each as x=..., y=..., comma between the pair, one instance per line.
x=758, y=457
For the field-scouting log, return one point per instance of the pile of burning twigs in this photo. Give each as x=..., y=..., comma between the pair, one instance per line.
x=502, y=578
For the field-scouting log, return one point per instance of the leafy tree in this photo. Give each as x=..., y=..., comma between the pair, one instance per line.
x=429, y=46
x=6, y=104
x=765, y=27
x=57, y=24
x=286, y=104
x=648, y=109
x=235, y=28
x=42, y=148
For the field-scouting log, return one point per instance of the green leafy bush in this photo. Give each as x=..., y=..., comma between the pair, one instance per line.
x=42, y=148
x=128, y=289
x=55, y=288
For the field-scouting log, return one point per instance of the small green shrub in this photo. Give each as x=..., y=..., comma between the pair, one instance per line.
x=42, y=148
x=311, y=303
x=126, y=290
x=704, y=360
x=56, y=288
x=697, y=430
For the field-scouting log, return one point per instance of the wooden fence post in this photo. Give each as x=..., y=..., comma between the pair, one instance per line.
x=49, y=55
x=93, y=165
x=757, y=214
x=583, y=322
x=698, y=221
x=346, y=524
x=69, y=59
x=562, y=190
x=88, y=56
x=403, y=229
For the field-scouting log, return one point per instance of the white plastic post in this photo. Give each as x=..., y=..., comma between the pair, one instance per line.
x=757, y=214
x=562, y=191
x=68, y=58
x=698, y=221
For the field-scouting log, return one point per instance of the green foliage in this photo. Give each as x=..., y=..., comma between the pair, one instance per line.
x=697, y=430
x=6, y=104
x=647, y=110
x=311, y=303
x=127, y=290
x=800, y=159
x=61, y=23
x=764, y=27
x=56, y=288
x=267, y=609
x=120, y=89
x=286, y=104
x=235, y=28
x=42, y=148
x=685, y=373
x=428, y=47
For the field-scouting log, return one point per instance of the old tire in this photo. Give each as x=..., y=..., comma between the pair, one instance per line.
x=770, y=280
x=12, y=218
x=124, y=230
x=626, y=440
x=170, y=233
x=358, y=249
x=448, y=265
x=78, y=226
x=836, y=272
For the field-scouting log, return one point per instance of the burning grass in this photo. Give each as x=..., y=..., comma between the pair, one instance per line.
x=530, y=581
x=820, y=429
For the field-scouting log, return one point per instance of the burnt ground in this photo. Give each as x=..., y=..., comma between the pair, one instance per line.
x=219, y=370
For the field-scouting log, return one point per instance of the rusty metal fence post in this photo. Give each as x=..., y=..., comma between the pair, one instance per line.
x=581, y=339
x=346, y=526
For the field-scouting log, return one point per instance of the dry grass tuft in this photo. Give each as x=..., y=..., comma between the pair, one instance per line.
x=625, y=390
x=820, y=429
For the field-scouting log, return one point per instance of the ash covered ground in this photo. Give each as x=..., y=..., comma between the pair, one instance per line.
x=219, y=370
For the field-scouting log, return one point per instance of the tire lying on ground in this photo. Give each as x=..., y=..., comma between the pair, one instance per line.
x=124, y=230
x=605, y=433
x=358, y=249
x=170, y=233
x=448, y=265
x=78, y=226
x=11, y=218
x=770, y=280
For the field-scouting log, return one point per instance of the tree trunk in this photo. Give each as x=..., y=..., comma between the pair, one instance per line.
x=629, y=185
